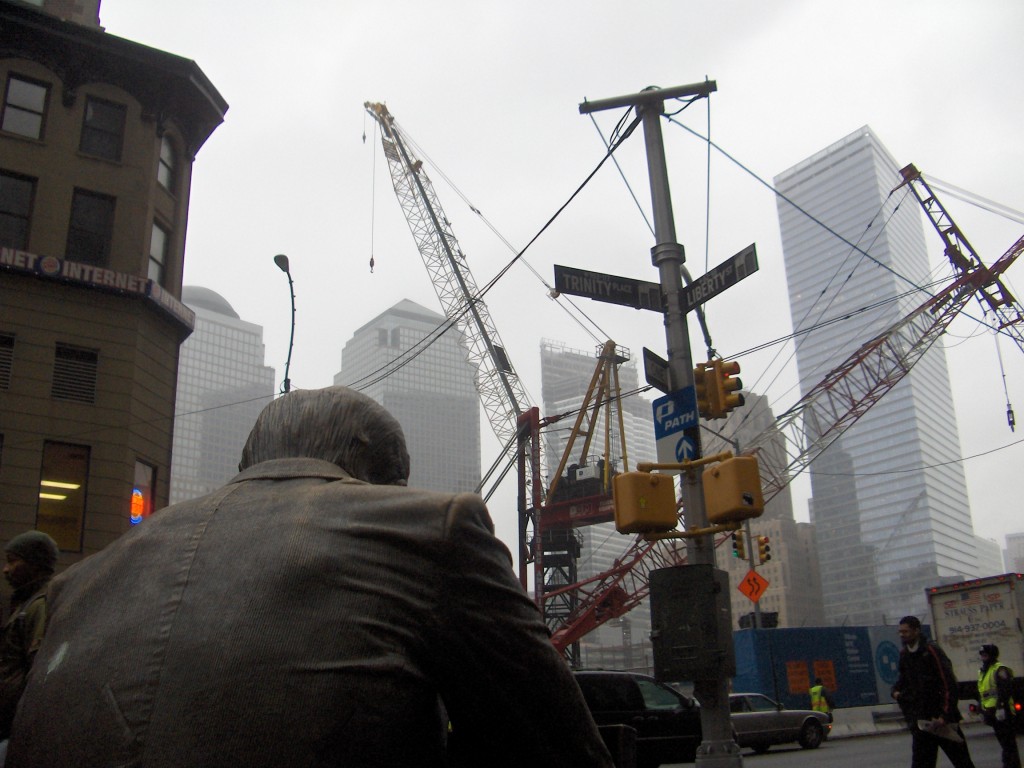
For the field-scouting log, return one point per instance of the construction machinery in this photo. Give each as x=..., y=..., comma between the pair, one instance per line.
x=582, y=496
x=823, y=414
x=575, y=608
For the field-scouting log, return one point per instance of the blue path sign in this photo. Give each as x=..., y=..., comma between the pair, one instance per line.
x=675, y=423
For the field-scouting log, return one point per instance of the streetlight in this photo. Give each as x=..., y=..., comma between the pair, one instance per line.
x=282, y=263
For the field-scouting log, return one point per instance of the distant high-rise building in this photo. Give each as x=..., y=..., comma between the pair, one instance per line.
x=889, y=502
x=431, y=392
x=793, y=596
x=565, y=374
x=223, y=385
x=1013, y=556
x=989, y=556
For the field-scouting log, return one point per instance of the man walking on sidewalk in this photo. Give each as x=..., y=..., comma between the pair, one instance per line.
x=926, y=694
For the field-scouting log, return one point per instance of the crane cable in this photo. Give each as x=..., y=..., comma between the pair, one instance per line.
x=1010, y=420
x=551, y=292
x=417, y=349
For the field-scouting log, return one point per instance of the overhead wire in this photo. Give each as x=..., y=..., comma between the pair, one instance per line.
x=512, y=249
x=417, y=349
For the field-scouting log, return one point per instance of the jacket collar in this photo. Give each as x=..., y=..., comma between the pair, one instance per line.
x=286, y=469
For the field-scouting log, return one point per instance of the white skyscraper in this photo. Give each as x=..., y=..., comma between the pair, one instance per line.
x=889, y=500
x=223, y=385
x=432, y=394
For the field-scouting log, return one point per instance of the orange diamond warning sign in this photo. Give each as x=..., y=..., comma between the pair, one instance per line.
x=753, y=585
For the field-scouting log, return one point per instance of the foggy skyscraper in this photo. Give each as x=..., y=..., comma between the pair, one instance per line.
x=223, y=385
x=889, y=499
x=432, y=394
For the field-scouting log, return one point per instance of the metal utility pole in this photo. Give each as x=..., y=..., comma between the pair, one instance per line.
x=718, y=748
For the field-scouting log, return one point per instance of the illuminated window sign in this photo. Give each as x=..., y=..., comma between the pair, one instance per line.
x=141, y=505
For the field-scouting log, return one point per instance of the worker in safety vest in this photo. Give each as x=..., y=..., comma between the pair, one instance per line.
x=997, y=705
x=820, y=699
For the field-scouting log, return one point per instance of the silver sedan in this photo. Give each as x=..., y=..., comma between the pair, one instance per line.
x=759, y=722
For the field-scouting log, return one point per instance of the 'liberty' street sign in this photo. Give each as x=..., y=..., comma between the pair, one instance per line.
x=725, y=275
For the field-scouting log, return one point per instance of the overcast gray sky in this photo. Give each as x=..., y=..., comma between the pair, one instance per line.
x=489, y=91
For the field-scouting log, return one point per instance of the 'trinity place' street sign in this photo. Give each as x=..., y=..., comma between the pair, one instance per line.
x=725, y=275
x=639, y=294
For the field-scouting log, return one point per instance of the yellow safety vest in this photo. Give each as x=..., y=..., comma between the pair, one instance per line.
x=988, y=692
x=818, y=702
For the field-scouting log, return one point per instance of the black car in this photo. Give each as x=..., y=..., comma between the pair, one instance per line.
x=667, y=723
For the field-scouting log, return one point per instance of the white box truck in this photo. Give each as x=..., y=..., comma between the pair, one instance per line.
x=968, y=614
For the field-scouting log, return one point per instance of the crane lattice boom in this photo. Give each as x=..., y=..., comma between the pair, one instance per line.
x=501, y=392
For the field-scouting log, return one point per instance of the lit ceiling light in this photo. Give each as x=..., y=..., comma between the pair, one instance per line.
x=53, y=496
x=58, y=484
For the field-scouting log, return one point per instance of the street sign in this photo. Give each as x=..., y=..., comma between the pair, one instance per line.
x=639, y=294
x=753, y=585
x=656, y=371
x=676, y=424
x=725, y=275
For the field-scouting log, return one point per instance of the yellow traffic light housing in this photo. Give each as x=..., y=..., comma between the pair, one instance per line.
x=644, y=502
x=705, y=381
x=732, y=490
x=739, y=548
x=764, y=551
x=700, y=384
x=727, y=387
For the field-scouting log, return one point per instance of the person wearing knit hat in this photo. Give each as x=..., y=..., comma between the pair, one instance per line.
x=31, y=558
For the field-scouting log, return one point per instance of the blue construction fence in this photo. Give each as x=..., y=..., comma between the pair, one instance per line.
x=858, y=665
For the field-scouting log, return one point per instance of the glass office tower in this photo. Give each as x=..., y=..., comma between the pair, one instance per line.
x=223, y=385
x=889, y=502
x=432, y=394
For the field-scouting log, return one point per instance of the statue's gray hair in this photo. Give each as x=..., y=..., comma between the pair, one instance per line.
x=336, y=424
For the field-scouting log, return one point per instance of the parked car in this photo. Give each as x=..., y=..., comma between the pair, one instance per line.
x=759, y=722
x=667, y=723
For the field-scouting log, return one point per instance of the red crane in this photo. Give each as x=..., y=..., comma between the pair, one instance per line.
x=823, y=414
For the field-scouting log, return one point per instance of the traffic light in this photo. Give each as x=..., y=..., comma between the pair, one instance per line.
x=727, y=386
x=709, y=391
x=764, y=552
x=705, y=381
x=739, y=549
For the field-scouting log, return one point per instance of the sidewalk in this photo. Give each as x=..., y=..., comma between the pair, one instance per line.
x=865, y=721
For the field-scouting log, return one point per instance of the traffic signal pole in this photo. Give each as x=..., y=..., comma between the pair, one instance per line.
x=717, y=750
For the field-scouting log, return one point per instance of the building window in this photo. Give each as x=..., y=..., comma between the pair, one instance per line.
x=143, y=492
x=74, y=374
x=91, y=229
x=24, y=107
x=103, y=129
x=158, y=254
x=61, y=511
x=165, y=171
x=6, y=359
x=16, y=193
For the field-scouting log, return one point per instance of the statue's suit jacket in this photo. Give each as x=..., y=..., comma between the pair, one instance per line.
x=299, y=617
